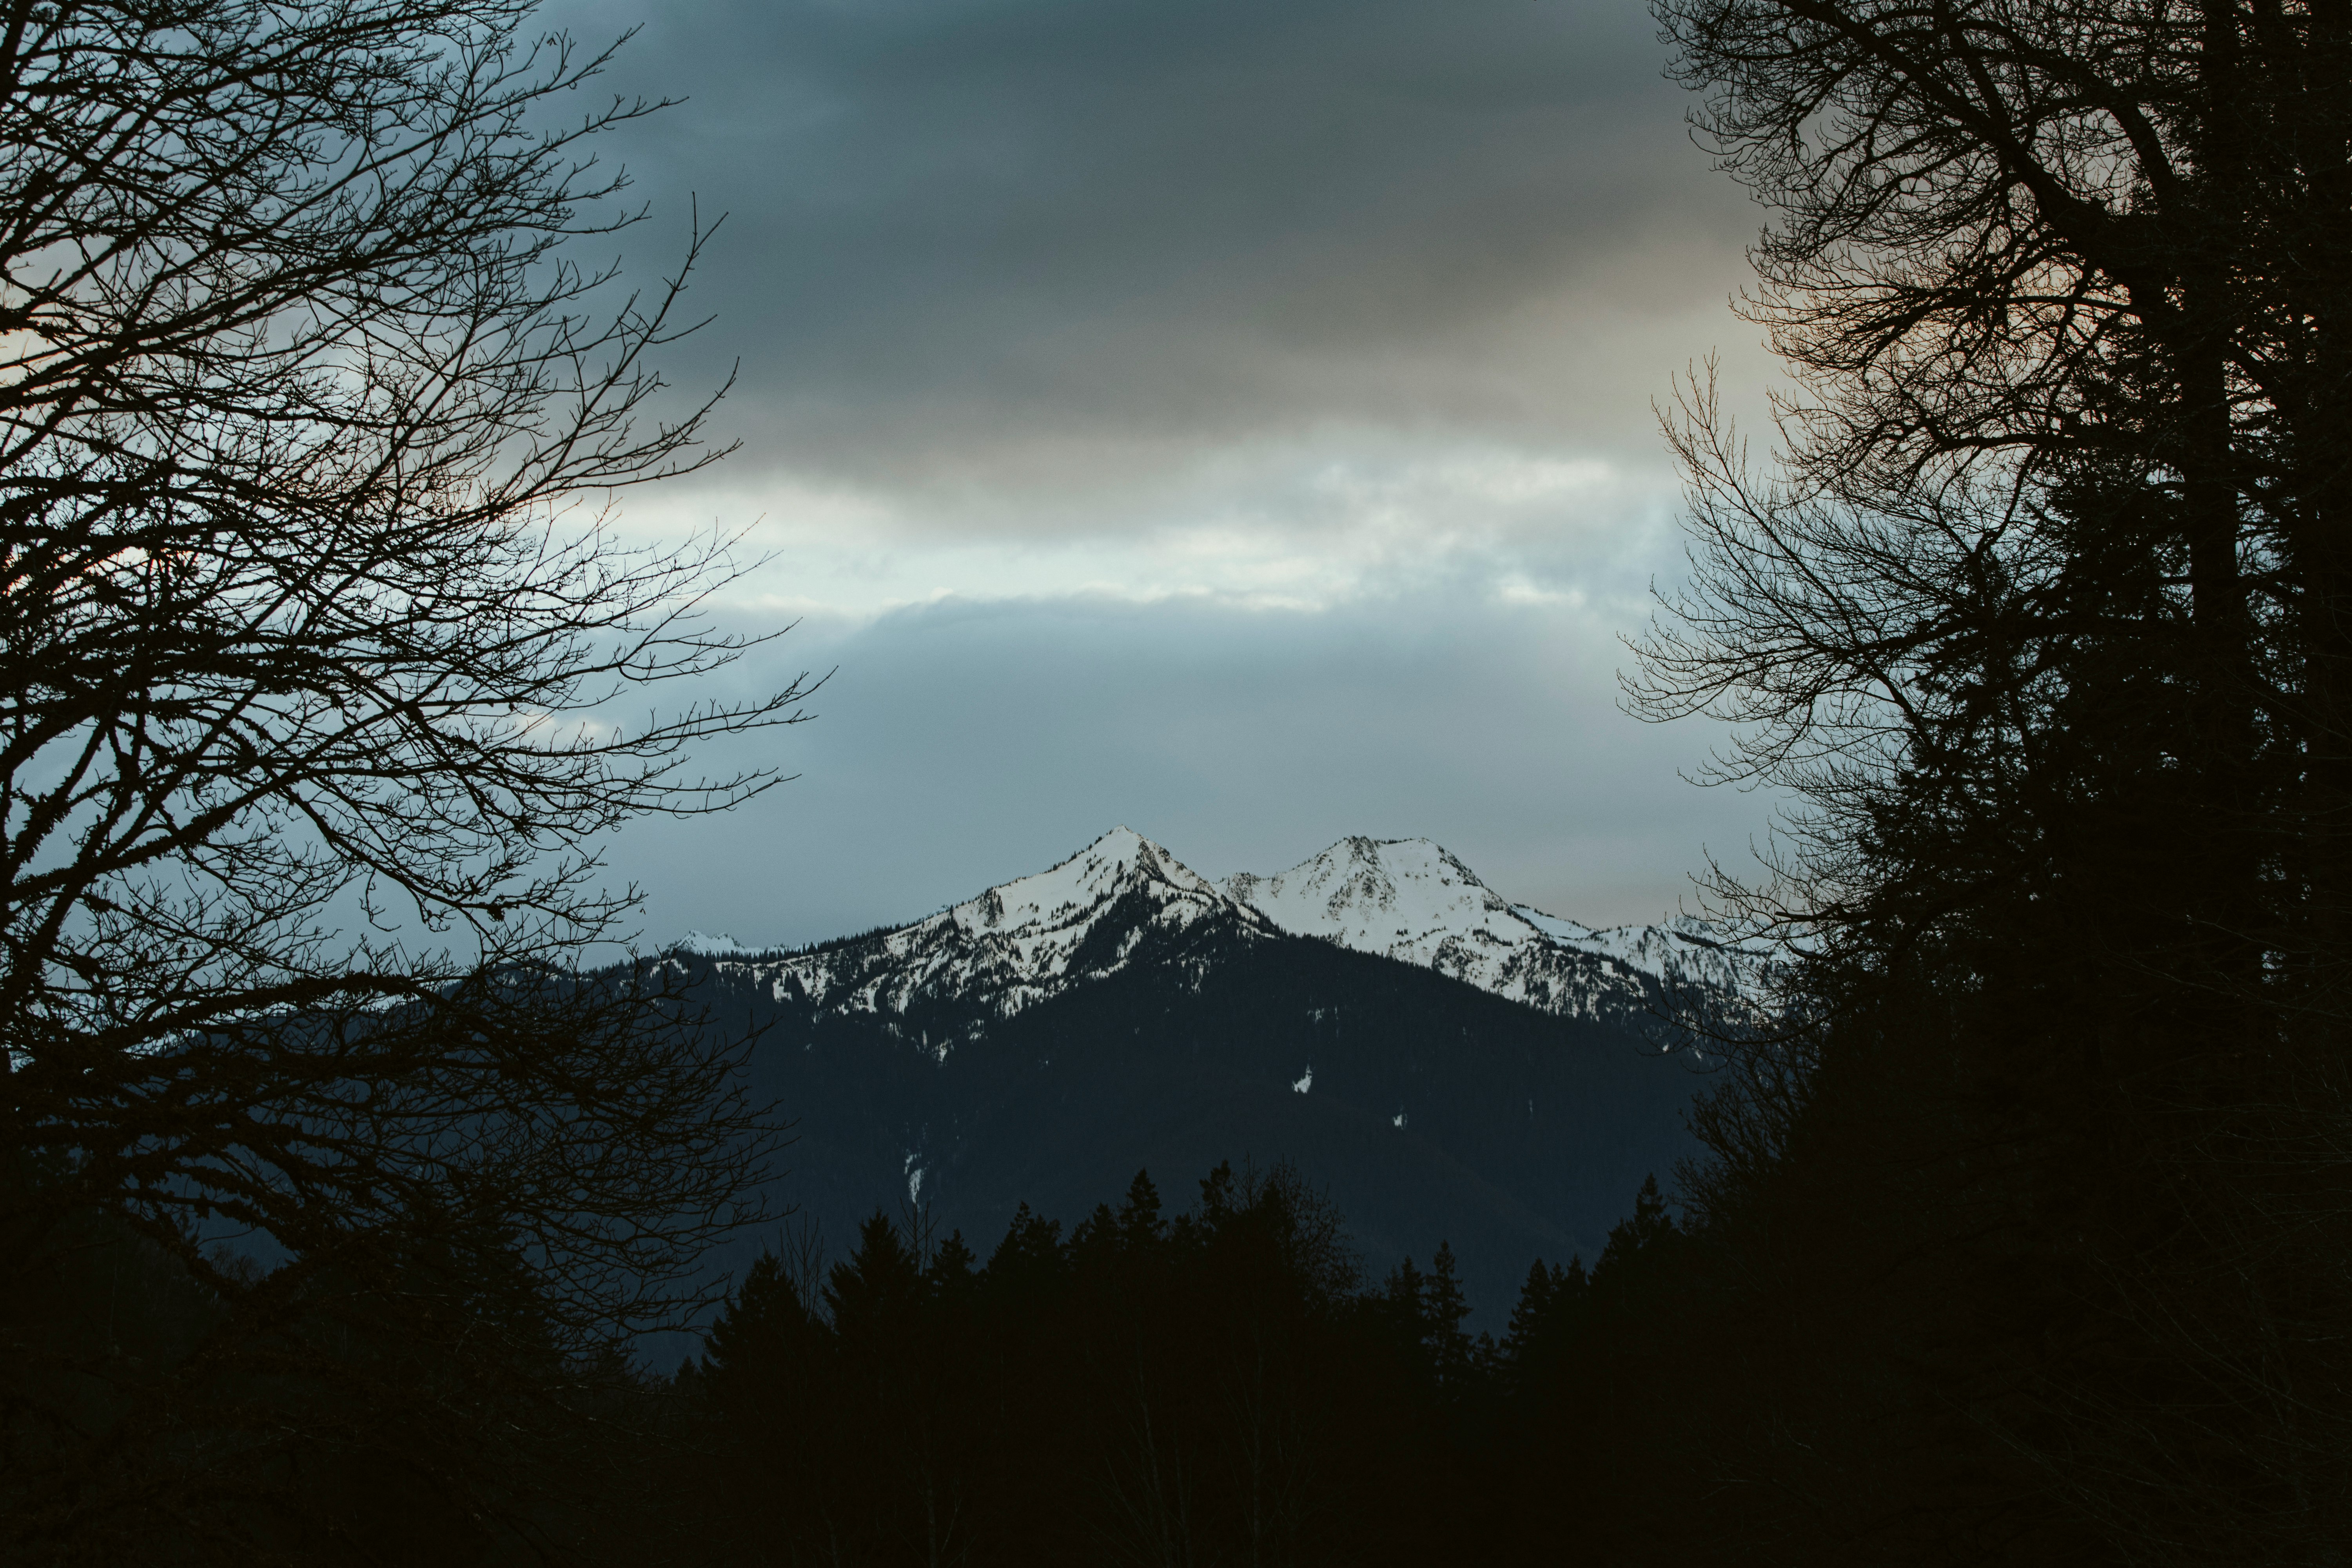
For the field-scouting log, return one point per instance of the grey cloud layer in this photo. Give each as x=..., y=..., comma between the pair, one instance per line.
x=1129, y=312
x=977, y=235
x=963, y=743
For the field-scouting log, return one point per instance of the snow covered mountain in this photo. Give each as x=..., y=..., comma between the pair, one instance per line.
x=1123, y=896
x=1454, y=1066
x=1410, y=900
x=1021, y=942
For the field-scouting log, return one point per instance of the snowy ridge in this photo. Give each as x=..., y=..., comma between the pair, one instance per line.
x=721, y=945
x=1683, y=952
x=1017, y=944
x=1410, y=900
x=1088, y=917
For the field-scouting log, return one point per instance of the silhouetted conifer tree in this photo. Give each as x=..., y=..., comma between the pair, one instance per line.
x=876, y=1294
x=1140, y=1225
x=766, y=1333
x=1030, y=1260
x=1443, y=1306
x=953, y=1275
x=1649, y=1226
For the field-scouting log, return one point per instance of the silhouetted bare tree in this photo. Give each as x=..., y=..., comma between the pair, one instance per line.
x=2043, y=610
x=312, y=625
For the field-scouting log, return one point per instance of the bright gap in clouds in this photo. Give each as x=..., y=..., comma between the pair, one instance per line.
x=1295, y=647
x=1308, y=527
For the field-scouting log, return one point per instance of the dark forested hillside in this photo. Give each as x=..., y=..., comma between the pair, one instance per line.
x=1434, y=1111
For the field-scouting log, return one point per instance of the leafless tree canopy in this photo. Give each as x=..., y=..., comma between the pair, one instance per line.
x=2041, y=602
x=2030, y=260
x=324, y=667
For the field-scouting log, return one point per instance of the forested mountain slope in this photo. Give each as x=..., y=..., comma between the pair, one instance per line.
x=1044, y=1041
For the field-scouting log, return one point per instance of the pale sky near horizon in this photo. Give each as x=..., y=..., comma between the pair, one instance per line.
x=1231, y=419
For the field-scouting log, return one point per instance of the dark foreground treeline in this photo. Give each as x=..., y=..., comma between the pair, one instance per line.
x=1875, y=1336
x=1221, y=1387
x=408, y=1404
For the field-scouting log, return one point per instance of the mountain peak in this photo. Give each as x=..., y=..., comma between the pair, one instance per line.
x=1414, y=900
x=720, y=944
x=1376, y=894
x=1119, y=862
x=1123, y=896
x=1024, y=941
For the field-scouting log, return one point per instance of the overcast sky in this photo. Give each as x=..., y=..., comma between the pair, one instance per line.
x=1229, y=418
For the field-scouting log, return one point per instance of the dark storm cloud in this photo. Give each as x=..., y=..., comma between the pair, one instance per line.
x=974, y=236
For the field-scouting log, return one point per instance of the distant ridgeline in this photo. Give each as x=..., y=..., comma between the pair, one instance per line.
x=1453, y=1067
